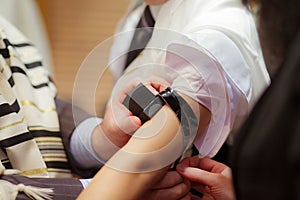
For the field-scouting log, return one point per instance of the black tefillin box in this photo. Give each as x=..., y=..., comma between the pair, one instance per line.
x=143, y=103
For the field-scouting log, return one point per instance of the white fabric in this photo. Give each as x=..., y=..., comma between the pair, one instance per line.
x=81, y=144
x=26, y=16
x=9, y=191
x=225, y=31
x=85, y=182
x=29, y=121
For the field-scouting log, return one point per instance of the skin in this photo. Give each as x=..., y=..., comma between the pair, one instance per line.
x=171, y=186
x=107, y=176
x=155, y=2
x=213, y=179
x=163, y=128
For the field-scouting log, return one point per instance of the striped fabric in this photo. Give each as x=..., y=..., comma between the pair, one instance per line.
x=29, y=129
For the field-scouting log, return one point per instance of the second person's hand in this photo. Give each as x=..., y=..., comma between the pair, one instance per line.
x=213, y=179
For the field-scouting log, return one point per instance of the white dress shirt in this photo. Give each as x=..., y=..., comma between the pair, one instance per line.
x=208, y=50
x=225, y=35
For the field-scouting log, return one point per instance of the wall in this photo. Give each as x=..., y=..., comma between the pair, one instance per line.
x=75, y=27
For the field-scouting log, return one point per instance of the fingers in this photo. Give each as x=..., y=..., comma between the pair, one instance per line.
x=227, y=172
x=195, y=198
x=204, y=171
x=196, y=175
x=187, y=197
x=206, y=164
x=158, y=83
x=190, y=162
x=212, y=165
x=154, y=84
x=197, y=189
x=126, y=89
x=170, y=179
x=130, y=124
x=123, y=118
x=179, y=191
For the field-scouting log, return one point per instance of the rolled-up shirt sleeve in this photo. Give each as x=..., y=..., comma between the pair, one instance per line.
x=195, y=72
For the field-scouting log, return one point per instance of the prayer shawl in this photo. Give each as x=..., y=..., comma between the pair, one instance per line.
x=29, y=128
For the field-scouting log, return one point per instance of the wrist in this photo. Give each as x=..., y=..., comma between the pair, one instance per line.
x=103, y=145
x=114, y=134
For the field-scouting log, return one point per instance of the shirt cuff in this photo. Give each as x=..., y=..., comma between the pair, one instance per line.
x=85, y=182
x=81, y=144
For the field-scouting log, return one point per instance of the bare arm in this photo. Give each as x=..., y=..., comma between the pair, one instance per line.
x=144, y=159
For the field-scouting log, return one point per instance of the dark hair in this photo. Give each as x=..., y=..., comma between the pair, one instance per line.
x=279, y=22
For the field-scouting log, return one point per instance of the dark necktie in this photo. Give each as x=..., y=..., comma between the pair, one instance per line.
x=141, y=36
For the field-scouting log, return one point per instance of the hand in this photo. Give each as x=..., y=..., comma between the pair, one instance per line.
x=172, y=187
x=119, y=123
x=211, y=178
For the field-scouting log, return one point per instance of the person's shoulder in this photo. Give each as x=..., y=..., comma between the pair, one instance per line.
x=231, y=14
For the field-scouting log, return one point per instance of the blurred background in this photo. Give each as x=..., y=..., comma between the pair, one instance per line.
x=66, y=31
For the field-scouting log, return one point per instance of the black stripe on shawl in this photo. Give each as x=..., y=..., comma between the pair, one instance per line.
x=15, y=69
x=8, y=43
x=8, y=109
x=52, y=148
x=58, y=165
x=11, y=81
x=40, y=85
x=55, y=148
x=33, y=65
x=17, y=139
x=44, y=133
x=22, y=45
x=7, y=164
x=4, y=53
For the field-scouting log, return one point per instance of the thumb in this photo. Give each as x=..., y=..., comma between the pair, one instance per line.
x=196, y=175
x=130, y=124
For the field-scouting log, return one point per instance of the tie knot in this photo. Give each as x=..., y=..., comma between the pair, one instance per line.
x=147, y=19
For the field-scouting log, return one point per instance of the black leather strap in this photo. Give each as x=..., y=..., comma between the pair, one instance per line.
x=144, y=104
x=185, y=114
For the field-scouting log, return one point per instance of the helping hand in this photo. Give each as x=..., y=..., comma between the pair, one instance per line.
x=211, y=178
x=172, y=187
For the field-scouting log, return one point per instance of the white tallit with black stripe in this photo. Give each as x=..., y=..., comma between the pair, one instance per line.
x=29, y=129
